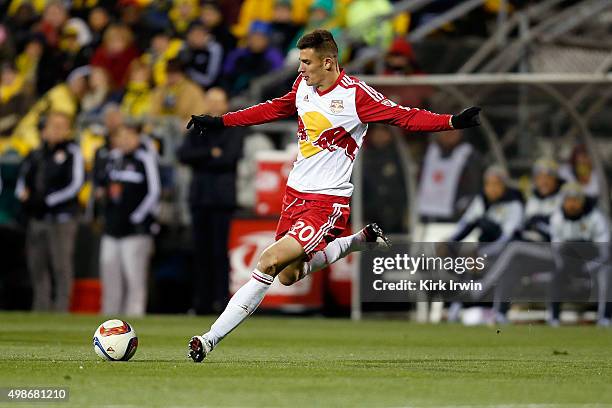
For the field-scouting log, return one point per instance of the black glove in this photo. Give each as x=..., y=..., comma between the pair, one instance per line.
x=467, y=118
x=203, y=122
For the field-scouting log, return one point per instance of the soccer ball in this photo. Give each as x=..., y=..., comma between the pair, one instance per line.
x=115, y=340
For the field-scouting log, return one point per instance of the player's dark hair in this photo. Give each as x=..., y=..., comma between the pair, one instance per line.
x=322, y=41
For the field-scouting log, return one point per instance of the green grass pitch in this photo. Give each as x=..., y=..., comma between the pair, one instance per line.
x=310, y=362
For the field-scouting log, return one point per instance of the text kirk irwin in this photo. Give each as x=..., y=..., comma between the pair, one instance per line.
x=426, y=285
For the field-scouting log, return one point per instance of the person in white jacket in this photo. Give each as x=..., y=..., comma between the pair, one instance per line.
x=579, y=220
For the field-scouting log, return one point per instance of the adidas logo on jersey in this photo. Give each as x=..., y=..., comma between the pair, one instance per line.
x=305, y=98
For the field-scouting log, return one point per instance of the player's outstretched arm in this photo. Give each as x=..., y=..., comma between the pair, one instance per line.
x=274, y=109
x=372, y=106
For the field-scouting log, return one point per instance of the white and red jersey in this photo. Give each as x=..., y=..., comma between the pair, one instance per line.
x=331, y=128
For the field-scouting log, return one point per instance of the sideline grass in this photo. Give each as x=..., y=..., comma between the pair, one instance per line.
x=305, y=362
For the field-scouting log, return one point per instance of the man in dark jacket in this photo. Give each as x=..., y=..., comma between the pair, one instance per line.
x=255, y=59
x=50, y=179
x=212, y=198
x=132, y=189
x=384, y=185
x=202, y=55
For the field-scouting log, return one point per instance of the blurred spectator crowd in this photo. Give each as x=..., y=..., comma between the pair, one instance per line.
x=156, y=59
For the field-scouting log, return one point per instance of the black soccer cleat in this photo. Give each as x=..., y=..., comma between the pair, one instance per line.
x=199, y=347
x=375, y=234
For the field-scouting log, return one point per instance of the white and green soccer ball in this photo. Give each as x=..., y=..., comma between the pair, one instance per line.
x=115, y=340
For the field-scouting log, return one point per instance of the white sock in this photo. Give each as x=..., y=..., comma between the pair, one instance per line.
x=337, y=249
x=241, y=305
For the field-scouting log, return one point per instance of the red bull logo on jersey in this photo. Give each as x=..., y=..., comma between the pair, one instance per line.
x=336, y=105
x=337, y=138
x=302, y=134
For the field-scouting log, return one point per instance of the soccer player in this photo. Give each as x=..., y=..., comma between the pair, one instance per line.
x=333, y=110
